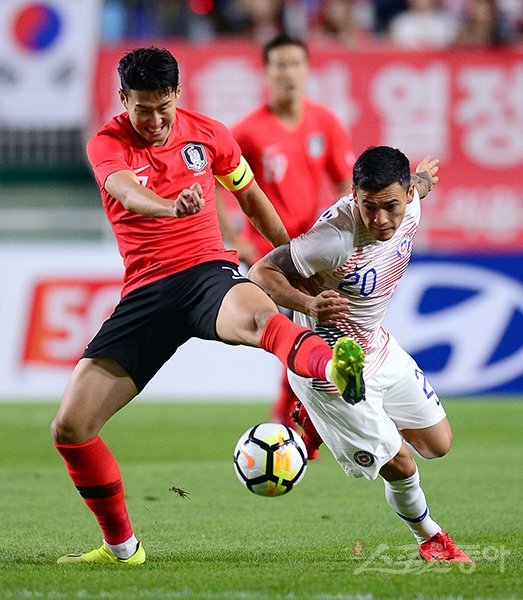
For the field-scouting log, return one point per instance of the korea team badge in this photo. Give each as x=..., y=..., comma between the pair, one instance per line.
x=194, y=157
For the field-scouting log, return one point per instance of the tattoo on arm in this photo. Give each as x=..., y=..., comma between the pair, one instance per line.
x=422, y=182
x=280, y=258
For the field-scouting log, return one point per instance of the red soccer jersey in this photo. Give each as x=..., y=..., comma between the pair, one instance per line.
x=197, y=149
x=290, y=165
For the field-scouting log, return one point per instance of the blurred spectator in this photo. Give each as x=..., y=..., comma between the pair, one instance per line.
x=483, y=24
x=229, y=17
x=137, y=19
x=426, y=24
x=385, y=11
x=113, y=21
x=338, y=22
x=513, y=12
x=299, y=16
x=182, y=19
x=264, y=18
x=195, y=20
x=410, y=23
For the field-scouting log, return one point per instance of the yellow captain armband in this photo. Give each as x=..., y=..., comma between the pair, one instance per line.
x=239, y=178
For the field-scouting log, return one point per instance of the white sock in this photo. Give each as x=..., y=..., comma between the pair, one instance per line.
x=125, y=549
x=406, y=497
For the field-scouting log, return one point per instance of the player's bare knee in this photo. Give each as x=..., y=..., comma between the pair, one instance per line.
x=432, y=442
x=444, y=440
x=67, y=431
x=438, y=452
x=437, y=448
x=261, y=316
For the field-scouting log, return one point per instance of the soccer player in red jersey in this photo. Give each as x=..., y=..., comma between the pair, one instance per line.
x=155, y=165
x=297, y=150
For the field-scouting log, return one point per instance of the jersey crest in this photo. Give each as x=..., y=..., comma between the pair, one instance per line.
x=404, y=246
x=194, y=156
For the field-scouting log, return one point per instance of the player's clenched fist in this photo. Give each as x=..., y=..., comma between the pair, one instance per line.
x=328, y=307
x=189, y=202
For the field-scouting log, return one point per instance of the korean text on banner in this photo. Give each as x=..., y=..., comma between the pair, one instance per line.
x=464, y=108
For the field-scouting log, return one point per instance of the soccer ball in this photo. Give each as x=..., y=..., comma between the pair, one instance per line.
x=270, y=459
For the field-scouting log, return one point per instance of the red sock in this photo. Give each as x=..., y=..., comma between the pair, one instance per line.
x=300, y=349
x=96, y=475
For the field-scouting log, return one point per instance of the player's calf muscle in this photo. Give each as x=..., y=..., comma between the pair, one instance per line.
x=400, y=466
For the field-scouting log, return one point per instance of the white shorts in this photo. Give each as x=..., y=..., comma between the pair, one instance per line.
x=363, y=437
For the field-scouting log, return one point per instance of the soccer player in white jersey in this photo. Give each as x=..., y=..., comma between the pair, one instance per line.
x=357, y=252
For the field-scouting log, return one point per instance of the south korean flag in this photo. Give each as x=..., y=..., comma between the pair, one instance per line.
x=47, y=54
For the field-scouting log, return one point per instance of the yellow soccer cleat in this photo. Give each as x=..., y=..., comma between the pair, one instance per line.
x=104, y=556
x=346, y=369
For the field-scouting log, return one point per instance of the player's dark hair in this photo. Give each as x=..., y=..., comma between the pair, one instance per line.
x=152, y=68
x=381, y=166
x=282, y=40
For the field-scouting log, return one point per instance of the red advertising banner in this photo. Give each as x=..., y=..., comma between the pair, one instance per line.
x=64, y=315
x=466, y=108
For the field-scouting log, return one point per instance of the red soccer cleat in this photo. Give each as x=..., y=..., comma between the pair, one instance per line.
x=311, y=438
x=441, y=548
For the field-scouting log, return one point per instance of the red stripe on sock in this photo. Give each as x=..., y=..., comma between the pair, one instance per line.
x=94, y=470
x=304, y=355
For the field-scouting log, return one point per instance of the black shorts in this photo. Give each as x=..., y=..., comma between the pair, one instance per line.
x=150, y=323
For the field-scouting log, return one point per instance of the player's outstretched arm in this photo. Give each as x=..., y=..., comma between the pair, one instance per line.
x=262, y=214
x=274, y=274
x=125, y=187
x=233, y=237
x=426, y=175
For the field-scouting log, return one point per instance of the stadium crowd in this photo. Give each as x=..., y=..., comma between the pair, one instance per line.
x=409, y=23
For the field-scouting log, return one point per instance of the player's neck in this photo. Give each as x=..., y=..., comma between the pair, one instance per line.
x=289, y=111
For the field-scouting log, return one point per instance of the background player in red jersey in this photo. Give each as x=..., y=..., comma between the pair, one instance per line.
x=297, y=150
x=155, y=165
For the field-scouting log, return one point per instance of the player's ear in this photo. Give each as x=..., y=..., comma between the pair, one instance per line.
x=354, y=193
x=123, y=98
x=178, y=91
x=410, y=193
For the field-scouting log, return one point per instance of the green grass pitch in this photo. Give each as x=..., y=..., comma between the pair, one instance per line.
x=332, y=538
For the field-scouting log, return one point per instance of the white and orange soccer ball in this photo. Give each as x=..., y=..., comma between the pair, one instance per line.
x=270, y=459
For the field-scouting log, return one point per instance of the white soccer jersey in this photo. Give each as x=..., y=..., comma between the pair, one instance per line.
x=361, y=269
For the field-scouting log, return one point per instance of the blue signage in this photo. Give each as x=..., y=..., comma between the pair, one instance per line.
x=461, y=318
